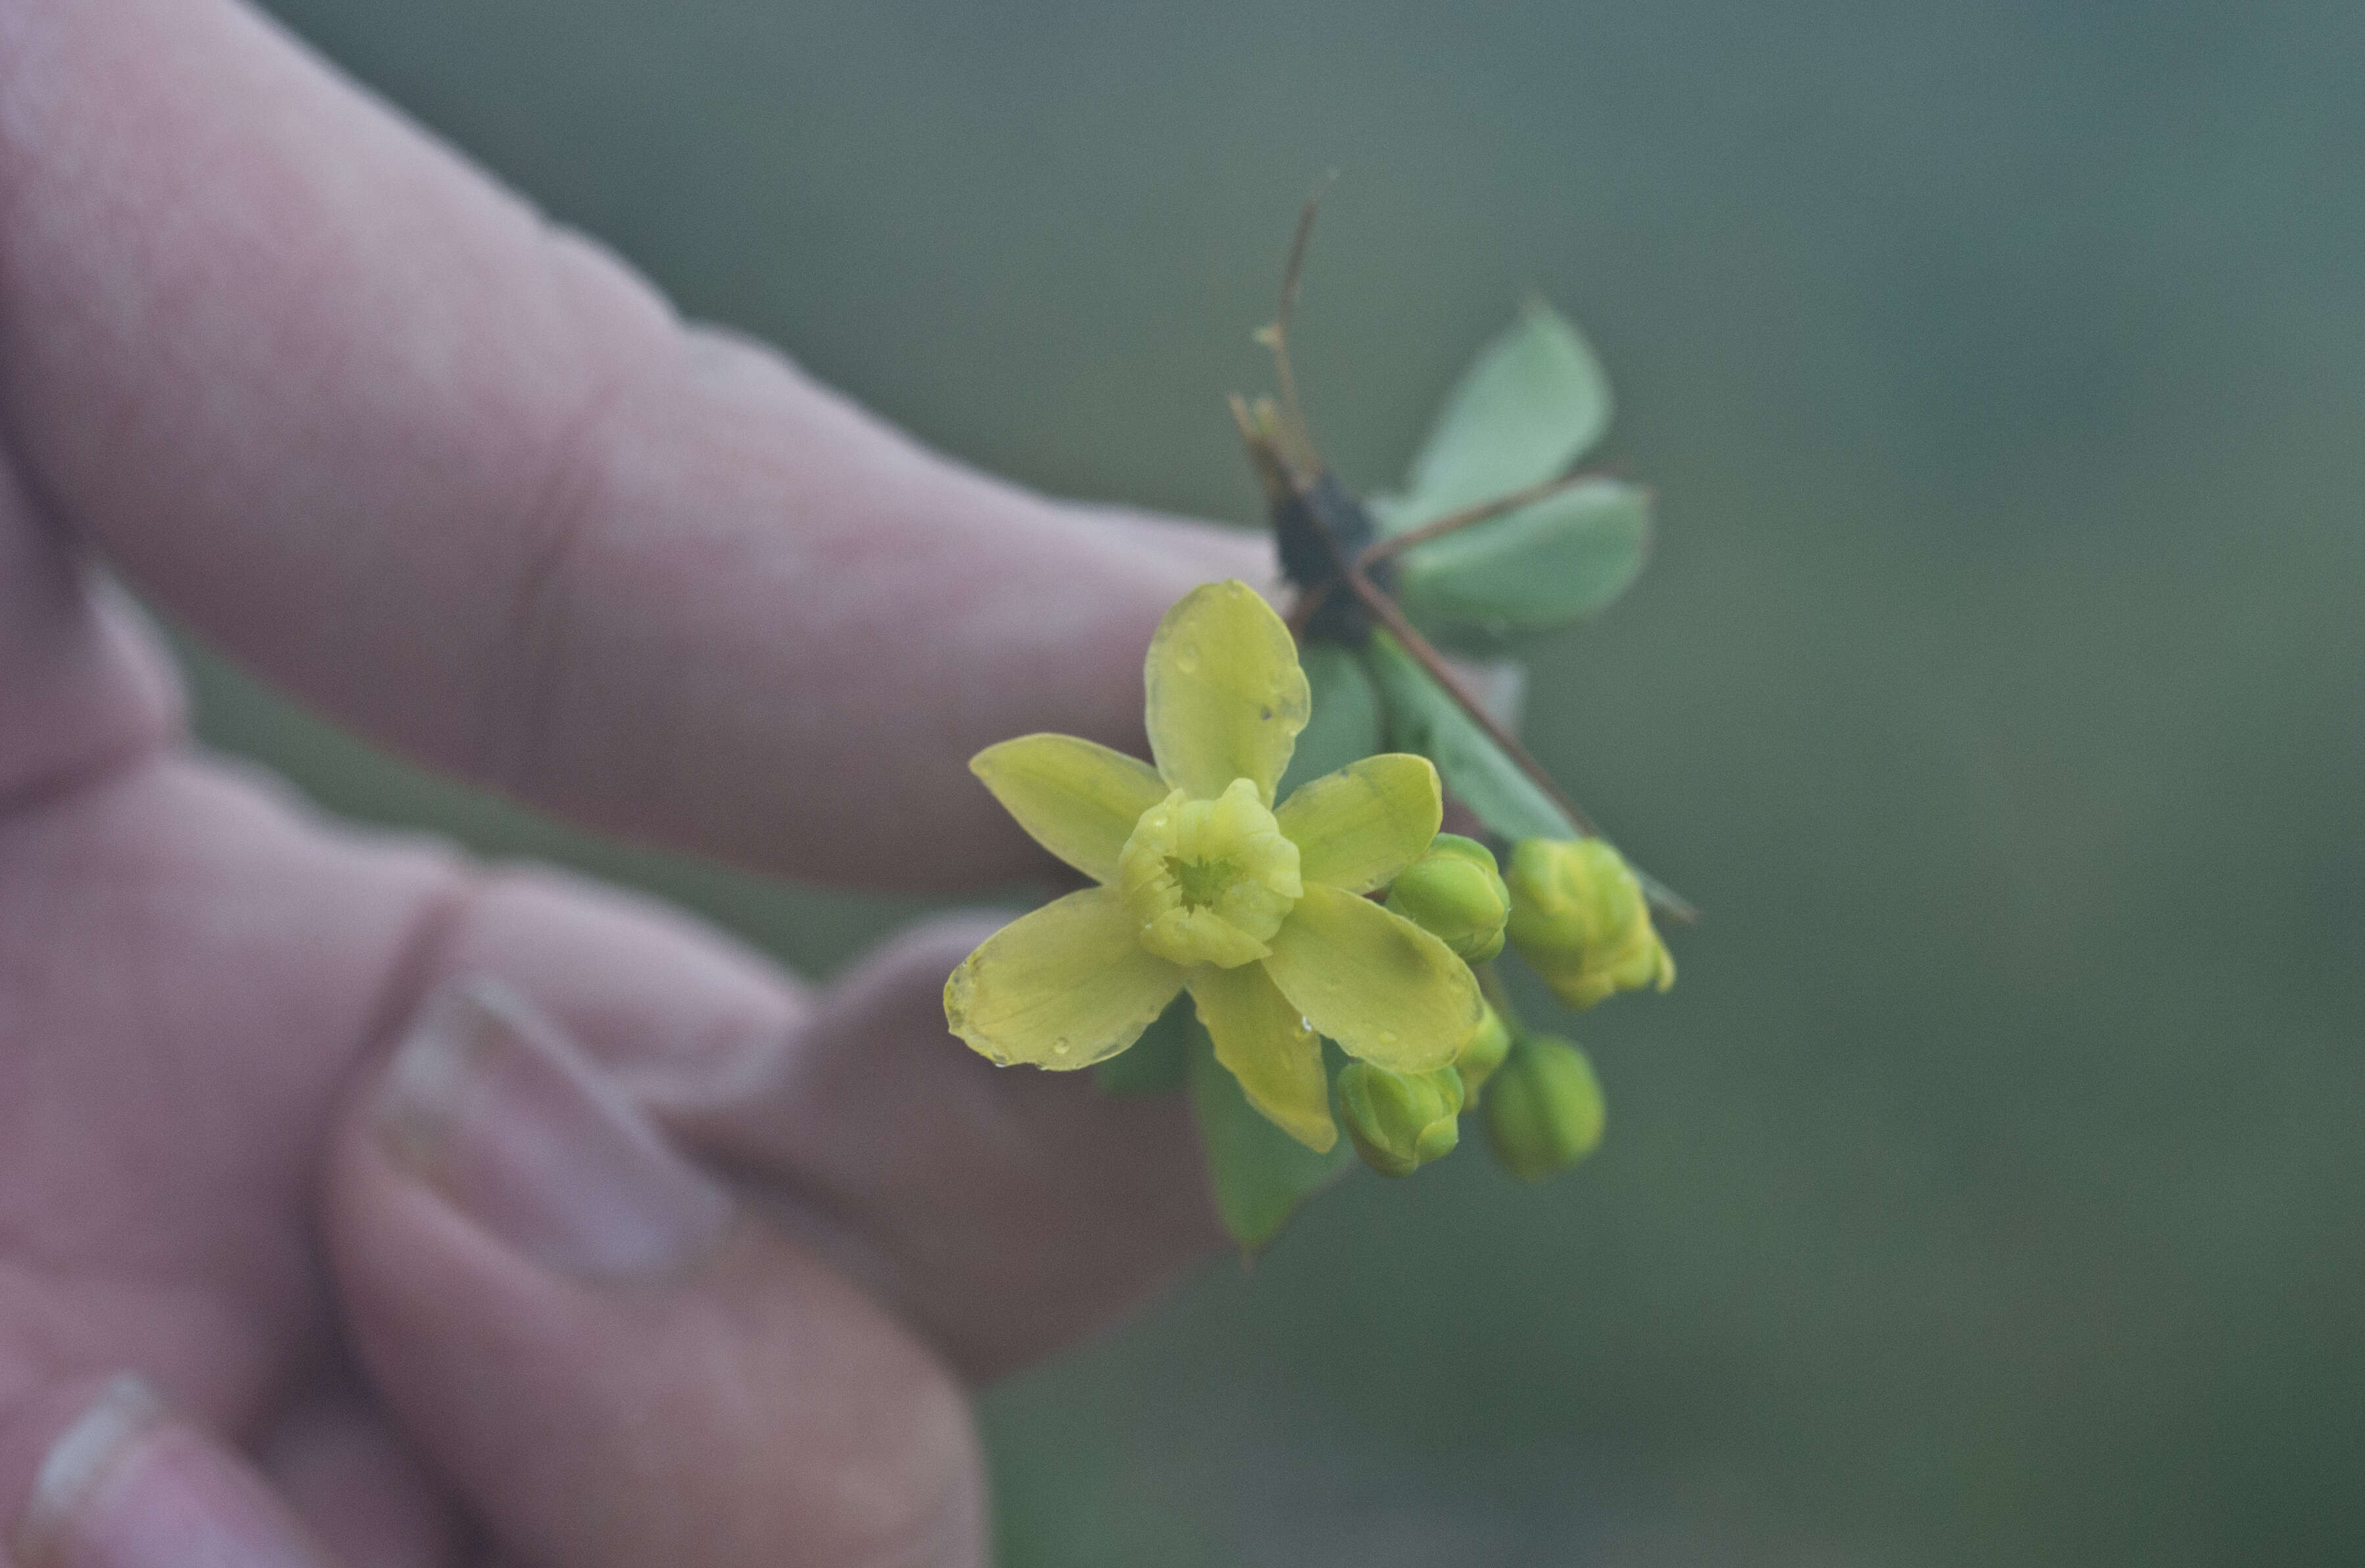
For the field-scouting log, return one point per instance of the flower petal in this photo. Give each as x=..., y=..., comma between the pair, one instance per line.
x=1266, y=1043
x=1076, y=799
x=1357, y=827
x=1226, y=697
x=1063, y=987
x=1382, y=987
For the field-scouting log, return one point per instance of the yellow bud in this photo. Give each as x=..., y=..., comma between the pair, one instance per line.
x=1578, y=915
x=1455, y=893
x=1400, y=1121
x=1483, y=1054
x=1543, y=1110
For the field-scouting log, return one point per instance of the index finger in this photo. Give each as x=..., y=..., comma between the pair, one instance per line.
x=368, y=423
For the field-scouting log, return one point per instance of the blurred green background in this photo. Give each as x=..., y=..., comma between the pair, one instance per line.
x=1991, y=1189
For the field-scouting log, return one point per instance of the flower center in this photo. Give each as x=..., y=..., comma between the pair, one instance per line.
x=1202, y=881
x=1209, y=882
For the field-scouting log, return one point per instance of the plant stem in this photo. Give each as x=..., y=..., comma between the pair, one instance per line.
x=1377, y=602
x=1468, y=517
x=1308, y=604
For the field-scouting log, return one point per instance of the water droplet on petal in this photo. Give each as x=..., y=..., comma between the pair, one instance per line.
x=1186, y=658
x=1388, y=1036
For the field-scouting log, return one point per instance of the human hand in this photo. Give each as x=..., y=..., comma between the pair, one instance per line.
x=404, y=1251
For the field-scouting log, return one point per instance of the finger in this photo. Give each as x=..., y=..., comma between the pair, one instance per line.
x=116, y=1480
x=1006, y=1214
x=615, y=1368
x=360, y=1487
x=1012, y=1212
x=81, y=688
x=684, y=1019
x=189, y=968
x=367, y=422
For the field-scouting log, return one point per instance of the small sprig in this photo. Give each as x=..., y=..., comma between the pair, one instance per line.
x=1490, y=542
x=1234, y=942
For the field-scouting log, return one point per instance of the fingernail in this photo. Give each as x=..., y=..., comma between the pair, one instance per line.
x=488, y=1103
x=129, y=1487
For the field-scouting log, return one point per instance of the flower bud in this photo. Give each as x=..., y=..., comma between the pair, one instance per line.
x=1543, y=1110
x=1578, y=915
x=1400, y=1121
x=1483, y=1054
x=1455, y=893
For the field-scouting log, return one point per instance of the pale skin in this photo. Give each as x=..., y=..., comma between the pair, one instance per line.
x=365, y=422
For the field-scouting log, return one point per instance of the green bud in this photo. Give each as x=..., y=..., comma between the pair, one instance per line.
x=1578, y=915
x=1483, y=1054
x=1543, y=1110
x=1400, y=1121
x=1455, y=893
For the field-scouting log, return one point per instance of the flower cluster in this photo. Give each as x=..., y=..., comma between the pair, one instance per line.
x=1204, y=884
x=1324, y=957
x=1264, y=914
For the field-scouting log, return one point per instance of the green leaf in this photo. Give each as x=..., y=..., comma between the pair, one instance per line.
x=1543, y=566
x=1345, y=725
x=1533, y=399
x=1423, y=717
x=1260, y=1173
x=1159, y=1062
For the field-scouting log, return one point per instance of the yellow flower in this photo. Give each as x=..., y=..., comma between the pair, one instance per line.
x=1205, y=885
x=1455, y=892
x=1579, y=917
x=1401, y=1121
x=1544, y=1109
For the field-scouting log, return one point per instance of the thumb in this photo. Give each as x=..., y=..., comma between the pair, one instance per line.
x=612, y=1363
